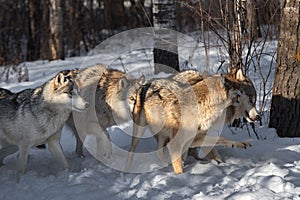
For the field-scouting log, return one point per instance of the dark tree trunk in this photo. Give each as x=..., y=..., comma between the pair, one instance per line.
x=165, y=49
x=33, y=47
x=45, y=50
x=74, y=32
x=118, y=14
x=56, y=30
x=252, y=20
x=285, y=107
x=108, y=23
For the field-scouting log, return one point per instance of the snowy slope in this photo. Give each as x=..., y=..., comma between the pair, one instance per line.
x=270, y=169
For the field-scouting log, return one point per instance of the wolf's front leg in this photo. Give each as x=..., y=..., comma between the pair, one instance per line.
x=104, y=145
x=161, y=144
x=138, y=131
x=175, y=151
x=22, y=161
x=210, y=141
x=176, y=160
x=56, y=149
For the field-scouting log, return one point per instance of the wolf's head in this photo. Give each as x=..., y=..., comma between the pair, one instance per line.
x=65, y=91
x=246, y=107
x=129, y=95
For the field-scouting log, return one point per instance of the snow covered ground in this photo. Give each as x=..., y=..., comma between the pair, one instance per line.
x=270, y=169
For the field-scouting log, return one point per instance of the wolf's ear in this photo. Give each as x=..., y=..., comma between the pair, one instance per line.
x=141, y=80
x=240, y=75
x=59, y=80
x=123, y=83
x=225, y=83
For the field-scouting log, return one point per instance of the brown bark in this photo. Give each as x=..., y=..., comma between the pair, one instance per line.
x=285, y=107
x=34, y=30
x=56, y=30
x=252, y=20
x=107, y=14
x=74, y=32
x=45, y=50
x=118, y=14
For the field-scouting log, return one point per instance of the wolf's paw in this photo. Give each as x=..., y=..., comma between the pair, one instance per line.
x=19, y=175
x=243, y=145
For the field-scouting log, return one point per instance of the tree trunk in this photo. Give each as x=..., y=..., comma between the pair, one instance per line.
x=252, y=20
x=118, y=14
x=56, y=30
x=165, y=47
x=74, y=32
x=45, y=50
x=285, y=107
x=237, y=35
x=108, y=15
x=33, y=45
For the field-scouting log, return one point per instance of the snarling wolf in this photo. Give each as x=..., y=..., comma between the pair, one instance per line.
x=180, y=121
x=36, y=116
x=111, y=94
x=246, y=107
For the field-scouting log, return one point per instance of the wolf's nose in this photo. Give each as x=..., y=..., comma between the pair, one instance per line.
x=86, y=105
x=257, y=117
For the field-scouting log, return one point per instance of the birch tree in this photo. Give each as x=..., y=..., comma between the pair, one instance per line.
x=165, y=49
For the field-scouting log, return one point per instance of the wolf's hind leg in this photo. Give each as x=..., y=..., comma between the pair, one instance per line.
x=175, y=151
x=79, y=146
x=7, y=150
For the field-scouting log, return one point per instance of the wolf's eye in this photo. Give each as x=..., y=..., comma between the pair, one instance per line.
x=131, y=98
x=72, y=93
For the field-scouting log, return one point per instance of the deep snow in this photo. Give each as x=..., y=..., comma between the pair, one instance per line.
x=270, y=169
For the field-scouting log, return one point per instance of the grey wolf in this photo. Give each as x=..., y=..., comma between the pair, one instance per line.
x=246, y=107
x=72, y=75
x=36, y=116
x=167, y=107
x=111, y=94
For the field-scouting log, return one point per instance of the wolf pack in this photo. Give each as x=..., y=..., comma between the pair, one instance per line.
x=180, y=110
